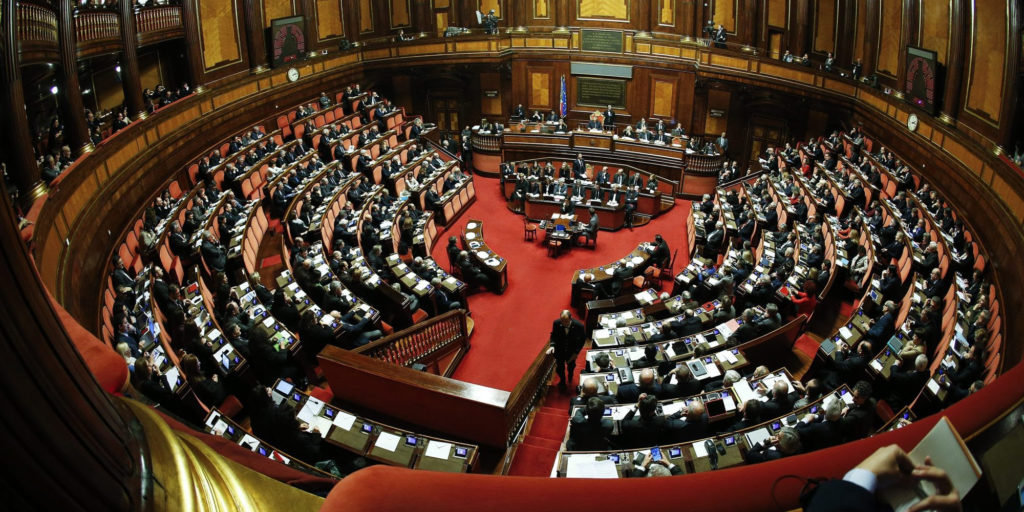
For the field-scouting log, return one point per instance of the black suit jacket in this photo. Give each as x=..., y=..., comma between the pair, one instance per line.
x=586, y=435
x=567, y=343
x=819, y=435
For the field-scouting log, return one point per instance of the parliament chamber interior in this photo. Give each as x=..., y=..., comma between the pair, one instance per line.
x=508, y=254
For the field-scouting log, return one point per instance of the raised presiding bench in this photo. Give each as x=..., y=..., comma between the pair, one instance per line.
x=493, y=265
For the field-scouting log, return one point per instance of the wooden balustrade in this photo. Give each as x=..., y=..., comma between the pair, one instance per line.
x=485, y=415
x=96, y=25
x=438, y=343
x=157, y=19
x=36, y=22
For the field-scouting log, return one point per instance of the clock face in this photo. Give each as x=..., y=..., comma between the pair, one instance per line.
x=293, y=74
x=912, y=122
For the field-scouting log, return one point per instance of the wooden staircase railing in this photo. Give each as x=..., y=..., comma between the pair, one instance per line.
x=438, y=343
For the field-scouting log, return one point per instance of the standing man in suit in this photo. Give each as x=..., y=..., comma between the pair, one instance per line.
x=609, y=118
x=723, y=143
x=579, y=166
x=565, y=343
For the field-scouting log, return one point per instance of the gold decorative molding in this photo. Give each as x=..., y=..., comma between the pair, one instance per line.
x=195, y=478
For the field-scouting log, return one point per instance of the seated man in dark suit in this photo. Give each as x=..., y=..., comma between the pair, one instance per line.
x=786, y=442
x=858, y=418
x=213, y=253
x=847, y=367
x=648, y=384
x=683, y=384
x=884, y=326
x=589, y=433
x=747, y=330
x=780, y=400
x=817, y=435
x=905, y=384
x=751, y=411
x=648, y=429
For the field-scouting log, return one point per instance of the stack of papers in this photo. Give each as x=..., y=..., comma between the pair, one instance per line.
x=584, y=466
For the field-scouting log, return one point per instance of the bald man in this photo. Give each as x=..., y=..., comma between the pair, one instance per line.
x=647, y=383
x=565, y=343
x=590, y=388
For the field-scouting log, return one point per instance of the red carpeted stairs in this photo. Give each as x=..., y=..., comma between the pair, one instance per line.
x=535, y=456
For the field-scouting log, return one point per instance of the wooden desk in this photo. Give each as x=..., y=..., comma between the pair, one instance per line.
x=604, y=273
x=493, y=265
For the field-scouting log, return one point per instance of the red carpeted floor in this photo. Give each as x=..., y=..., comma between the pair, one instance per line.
x=512, y=328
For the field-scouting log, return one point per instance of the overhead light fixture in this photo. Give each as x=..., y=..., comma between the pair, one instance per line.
x=117, y=68
x=54, y=90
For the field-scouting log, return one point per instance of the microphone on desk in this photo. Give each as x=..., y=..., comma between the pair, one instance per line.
x=709, y=445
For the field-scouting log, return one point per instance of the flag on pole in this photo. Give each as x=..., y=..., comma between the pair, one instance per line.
x=563, y=104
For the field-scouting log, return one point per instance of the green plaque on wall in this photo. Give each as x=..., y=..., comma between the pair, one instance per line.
x=600, y=92
x=601, y=40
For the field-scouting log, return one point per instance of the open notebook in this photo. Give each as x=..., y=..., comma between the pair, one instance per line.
x=948, y=451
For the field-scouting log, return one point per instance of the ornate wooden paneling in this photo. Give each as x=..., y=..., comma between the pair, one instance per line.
x=663, y=97
x=725, y=14
x=860, y=29
x=540, y=89
x=220, y=33
x=330, y=19
x=717, y=100
x=890, y=34
x=400, y=14
x=273, y=9
x=825, y=26
x=541, y=9
x=485, y=6
x=987, y=60
x=935, y=25
x=666, y=13
x=490, y=105
x=603, y=10
x=777, y=13
x=365, y=16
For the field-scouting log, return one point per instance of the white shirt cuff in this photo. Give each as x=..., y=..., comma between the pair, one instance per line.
x=863, y=478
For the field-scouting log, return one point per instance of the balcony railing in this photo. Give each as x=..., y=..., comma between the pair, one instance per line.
x=96, y=26
x=158, y=19
x=438, y=343
x=37, y=22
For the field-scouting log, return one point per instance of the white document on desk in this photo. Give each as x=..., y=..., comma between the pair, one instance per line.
x=672, y=407
x=845, y=332
x=728, y=402
x=344, y=420
x=438, y=449
x=760, y=435
x=743, y=391
x=699, y=450
x=584, y=466
x=387, y=441
x=877, y=365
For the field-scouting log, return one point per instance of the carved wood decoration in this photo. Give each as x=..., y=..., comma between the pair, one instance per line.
x=220, y=34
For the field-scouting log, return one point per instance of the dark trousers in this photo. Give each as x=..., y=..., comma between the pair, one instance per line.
x=564, y=368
